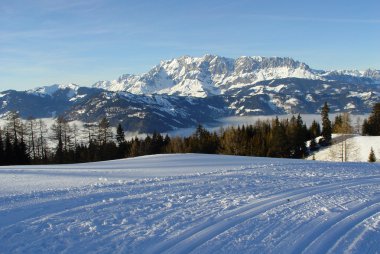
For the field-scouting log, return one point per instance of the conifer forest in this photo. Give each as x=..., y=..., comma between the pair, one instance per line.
x=32, y=142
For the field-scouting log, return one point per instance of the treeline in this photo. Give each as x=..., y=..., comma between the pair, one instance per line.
x=32, y=142
x=276, y=138
x=13, y=146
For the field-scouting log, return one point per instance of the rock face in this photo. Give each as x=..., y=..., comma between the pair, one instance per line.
x=185, y=91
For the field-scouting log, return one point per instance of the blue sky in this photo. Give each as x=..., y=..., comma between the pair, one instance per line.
x=44, y=42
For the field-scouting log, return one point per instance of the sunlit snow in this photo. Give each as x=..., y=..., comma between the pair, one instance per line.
x=191, y=203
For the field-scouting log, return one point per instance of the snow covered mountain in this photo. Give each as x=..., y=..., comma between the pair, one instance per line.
x=70, y=90
x=215, y=75
x=186, y=91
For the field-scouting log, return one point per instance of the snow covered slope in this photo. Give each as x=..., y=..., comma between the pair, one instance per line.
x=357, y=147
x=191, y=203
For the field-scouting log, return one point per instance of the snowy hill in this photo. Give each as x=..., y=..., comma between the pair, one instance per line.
x=191, y=203
x=357, y=149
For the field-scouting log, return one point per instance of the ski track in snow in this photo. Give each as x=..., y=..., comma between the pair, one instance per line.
x=242, y=205
x=196, y=237
x=337, y=227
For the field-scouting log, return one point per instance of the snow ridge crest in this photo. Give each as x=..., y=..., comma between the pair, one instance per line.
x=214, y=75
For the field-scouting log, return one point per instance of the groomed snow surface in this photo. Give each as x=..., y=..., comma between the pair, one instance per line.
x=191, y=203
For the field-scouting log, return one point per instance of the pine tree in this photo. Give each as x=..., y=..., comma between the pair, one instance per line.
x=135, y=148
x=122, y=144
x=315, y=130
x=261, y=138
x=166, y=141
x=366, y=128
x=157, y=143
x=59, y=155
x=9, y=155
x=279, y=145
x=16, y=135
x=59, y=136
x=23, y=156
x=202, y=141
x=372, y=125
x=297, y=136
x=326, y=125
x=120, y=135
x=372, y=156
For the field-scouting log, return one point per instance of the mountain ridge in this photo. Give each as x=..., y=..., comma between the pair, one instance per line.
x=215, y=75
x=186, y=91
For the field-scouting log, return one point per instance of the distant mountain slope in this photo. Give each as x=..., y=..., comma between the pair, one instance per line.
x=135, y=112
x=185, y=91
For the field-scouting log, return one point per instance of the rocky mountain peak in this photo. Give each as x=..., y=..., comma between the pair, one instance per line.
x=207, y=75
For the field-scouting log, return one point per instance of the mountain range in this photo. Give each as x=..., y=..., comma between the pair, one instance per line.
x=185, y=91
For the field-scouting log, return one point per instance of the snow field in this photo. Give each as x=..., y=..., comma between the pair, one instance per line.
x=358, y=149
x=191, y=203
